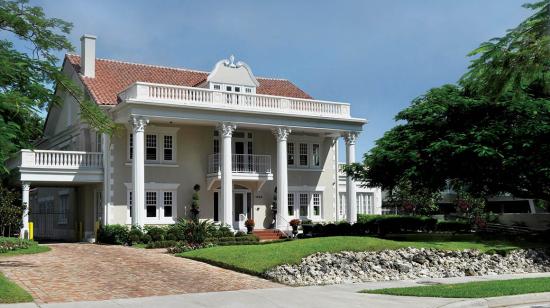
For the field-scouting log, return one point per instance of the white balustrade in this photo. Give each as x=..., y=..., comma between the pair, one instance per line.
x=61, y=159
x=191, y=96
x=242, y=163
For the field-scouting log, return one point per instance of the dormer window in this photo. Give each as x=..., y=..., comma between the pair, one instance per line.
x=231, y=76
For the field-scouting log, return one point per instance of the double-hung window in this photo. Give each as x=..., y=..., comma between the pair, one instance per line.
x=291, y=205
x=304, y=155
x=160, y=206
x=305, y=205
x=160, y=146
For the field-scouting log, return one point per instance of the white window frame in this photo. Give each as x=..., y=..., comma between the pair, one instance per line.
x=159, y=189
x=310, y=155
x=160, y=132
x=310, y=204
x=157, y=158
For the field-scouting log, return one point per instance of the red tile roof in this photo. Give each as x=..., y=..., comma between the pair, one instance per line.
x=112, y=77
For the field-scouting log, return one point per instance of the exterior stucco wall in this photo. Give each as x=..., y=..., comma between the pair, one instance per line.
x=194, y=144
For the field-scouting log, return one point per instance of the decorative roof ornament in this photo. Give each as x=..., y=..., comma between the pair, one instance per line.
x=231, y=62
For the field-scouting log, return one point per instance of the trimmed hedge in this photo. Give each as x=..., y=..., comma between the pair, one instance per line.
x=162, y=244
x=237, y=240
x=454, y=226
x=113, y=234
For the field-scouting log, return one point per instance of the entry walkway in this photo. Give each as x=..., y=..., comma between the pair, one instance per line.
x=86, y=272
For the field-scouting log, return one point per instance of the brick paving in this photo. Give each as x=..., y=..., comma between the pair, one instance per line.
x=84, y=272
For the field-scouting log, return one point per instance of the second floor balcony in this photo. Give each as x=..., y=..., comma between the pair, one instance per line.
x=206, y=98
x=245, y=167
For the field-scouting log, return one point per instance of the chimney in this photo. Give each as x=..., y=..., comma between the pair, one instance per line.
x=87, y=56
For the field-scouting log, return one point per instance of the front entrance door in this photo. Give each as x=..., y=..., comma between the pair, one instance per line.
x=242, y=204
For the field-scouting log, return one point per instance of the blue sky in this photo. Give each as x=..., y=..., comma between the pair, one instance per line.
x=377, y=55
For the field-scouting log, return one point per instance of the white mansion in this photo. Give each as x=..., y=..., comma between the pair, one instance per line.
x=251, y=144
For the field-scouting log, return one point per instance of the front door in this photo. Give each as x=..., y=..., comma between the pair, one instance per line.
x=242, y=203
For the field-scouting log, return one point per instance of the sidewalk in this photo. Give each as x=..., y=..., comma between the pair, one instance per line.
x=333, y=296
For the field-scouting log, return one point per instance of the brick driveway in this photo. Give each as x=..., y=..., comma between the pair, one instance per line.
x=83, y=272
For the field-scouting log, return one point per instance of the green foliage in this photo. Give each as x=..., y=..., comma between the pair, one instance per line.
x=195, y=205
x=11, y=212
x=197, y=232
x=26, y=77
x=135, y=235
x=487, y=135
x=454, y=226
x=161, y=244
x=12, y=293
x=156, y=233
x=113, y=234
x=12, y=244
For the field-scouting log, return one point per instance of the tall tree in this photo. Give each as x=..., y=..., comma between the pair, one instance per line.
x=30, y=75
x=487, y=135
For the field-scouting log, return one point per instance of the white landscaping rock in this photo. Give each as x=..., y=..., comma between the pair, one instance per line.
x=406, y=263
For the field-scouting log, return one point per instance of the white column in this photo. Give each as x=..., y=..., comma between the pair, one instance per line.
x=226, y=132
x=281, y=133
x=25, y=188
x=138, y=170
x=351, y=200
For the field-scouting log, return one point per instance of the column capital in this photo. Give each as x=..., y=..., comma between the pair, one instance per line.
x=26, y=186
x=351, y=137
x=281, y=132
x=226, y=129
x=138, y=123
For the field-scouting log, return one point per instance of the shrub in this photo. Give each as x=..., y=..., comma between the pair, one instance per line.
x=240, y=233
x=162, y=244
x=384, y=224
x=156, y=233
x=177, y=230
x=343, y=228
x=146, y=239
x=113, y=234
x=221, y=231
x=135, y=235
x=197, y=232
x=12, y=243
x=183, y=247
x=453, y=226
x=307, y=227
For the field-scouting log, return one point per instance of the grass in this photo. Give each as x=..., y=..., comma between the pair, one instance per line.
x=256, y=259
x=12, y=293
x=473, y=289
x=33, y=247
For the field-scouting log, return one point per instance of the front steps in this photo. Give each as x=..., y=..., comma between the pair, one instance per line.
x=269, y=234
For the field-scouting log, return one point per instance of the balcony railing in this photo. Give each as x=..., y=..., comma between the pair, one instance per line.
x=200, y=97
x=242, y=163
x=61, y=159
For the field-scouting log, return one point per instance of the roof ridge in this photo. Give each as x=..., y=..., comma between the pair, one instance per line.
x=169, y=67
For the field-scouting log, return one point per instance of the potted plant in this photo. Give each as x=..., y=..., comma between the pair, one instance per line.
x=249, y=223
x=294, y=224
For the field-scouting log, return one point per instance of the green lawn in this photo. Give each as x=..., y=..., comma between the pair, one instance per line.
x=473, y=289
x=256, y=259
x=12, y=293
x=32, y=248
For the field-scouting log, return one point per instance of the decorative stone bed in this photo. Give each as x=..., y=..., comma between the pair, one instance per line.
x=406, y=263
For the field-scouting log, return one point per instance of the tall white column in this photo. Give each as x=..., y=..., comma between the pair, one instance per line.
x=226, y=132
x=138, y=170
x=281, y=133
x=351, y=200
x=25, y=188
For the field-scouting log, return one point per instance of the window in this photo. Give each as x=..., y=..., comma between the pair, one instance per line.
x=248, y=90
x=237, y=89
x=131, y=146
x=168, y=150
x=304, y=205
x=303, y=154
x=216, y=146
x=130, y=203
x=150, y=147
x=167, y=204
x=228, y=88
x=291, y=205
x=316, y=204
x=217, y=87
x=98, y=142
x=290, y=154
x=151, y=204
x=160, y=206
x=365, y=203
x=63, y=210
x=159, y=147
x=316, y=155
